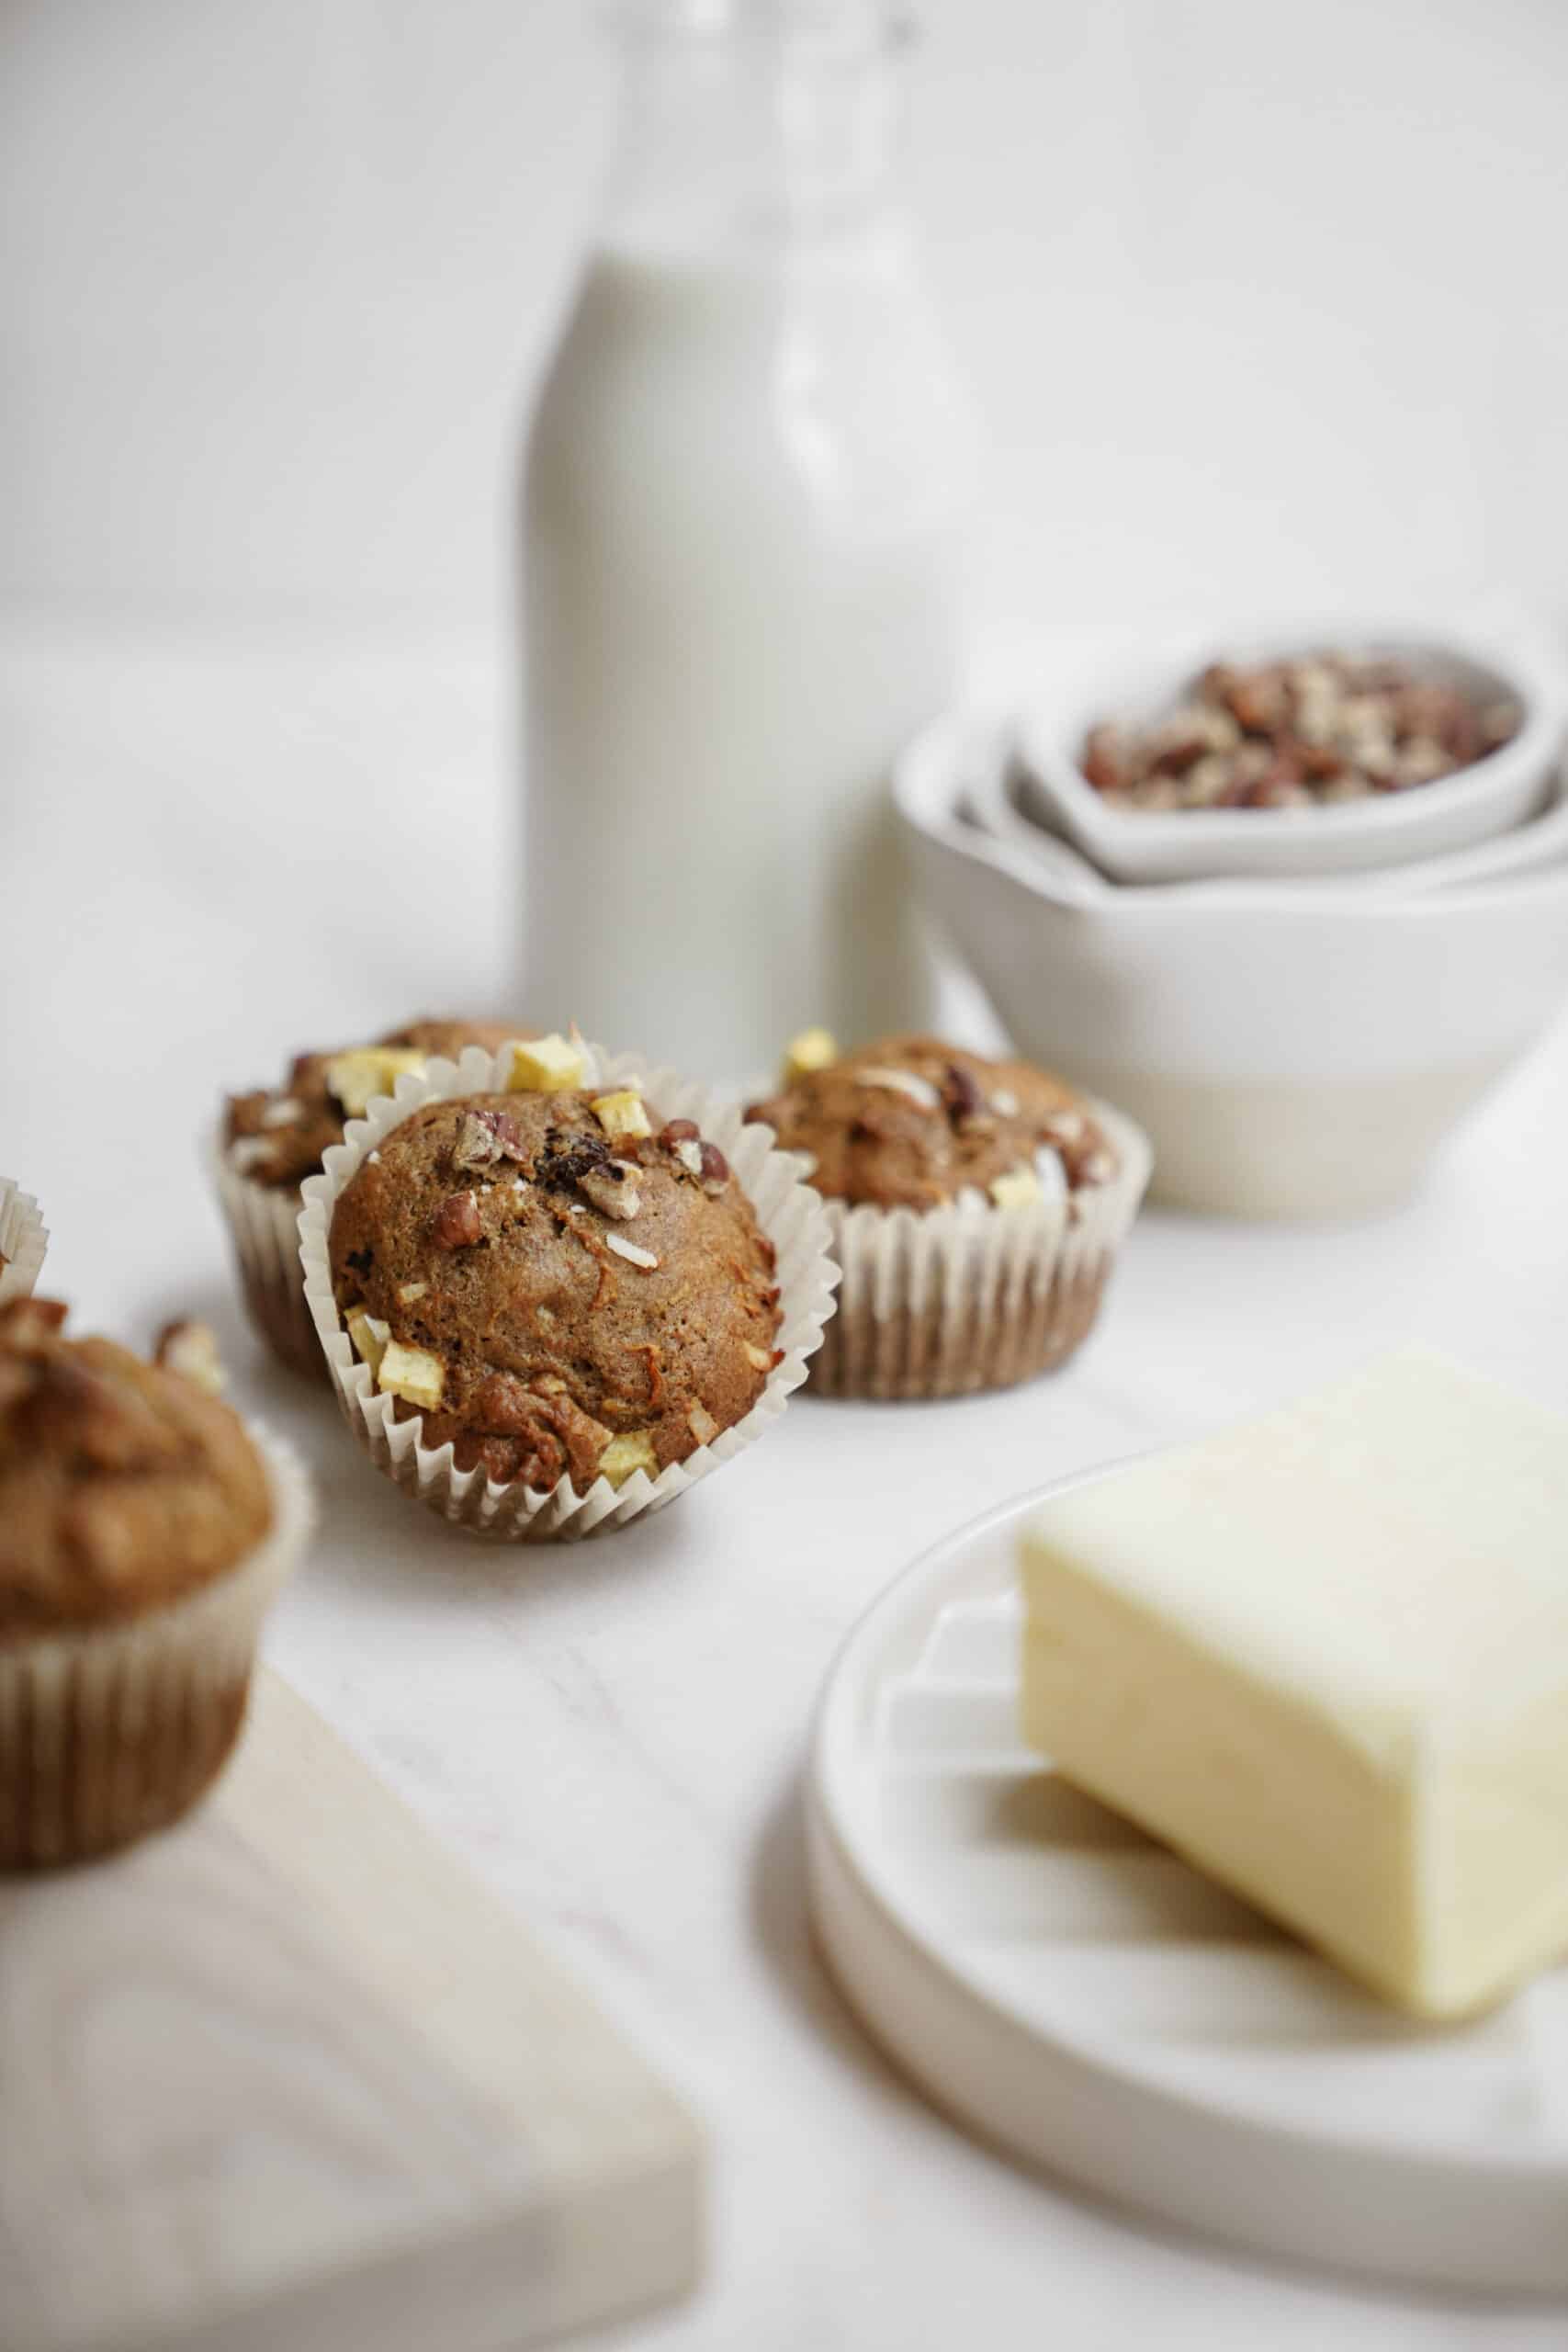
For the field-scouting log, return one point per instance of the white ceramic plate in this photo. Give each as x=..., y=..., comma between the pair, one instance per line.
x=1070, y=1989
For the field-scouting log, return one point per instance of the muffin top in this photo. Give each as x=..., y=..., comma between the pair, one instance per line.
x=123, y=1485
x=910, y=1123
x=559, y=1284
x=279, y=1136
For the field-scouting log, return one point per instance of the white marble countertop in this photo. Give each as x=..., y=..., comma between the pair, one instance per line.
x=213, y=853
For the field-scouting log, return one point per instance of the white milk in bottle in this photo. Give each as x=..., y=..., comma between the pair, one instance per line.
x=741, y=560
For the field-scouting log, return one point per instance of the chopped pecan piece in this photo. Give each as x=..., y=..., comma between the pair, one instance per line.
x=961, y=1092
x=612, y=1188
x=28, y=1325
x=456, y=1224
x=484, y=1140
x=111, y=1428
x=189, y=1348
x=1101, y=764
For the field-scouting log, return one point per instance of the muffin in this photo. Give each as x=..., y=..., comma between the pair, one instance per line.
x=271, y=1140
x=142, y=1532
x=975, y=1208
x=563, y=1301
x=23, y=1241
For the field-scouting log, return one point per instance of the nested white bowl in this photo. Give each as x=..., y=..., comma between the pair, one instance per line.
x=1505, y=789
x=1291, y=1051
x=994, y=800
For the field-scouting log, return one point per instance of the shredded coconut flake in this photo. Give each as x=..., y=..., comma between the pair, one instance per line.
x=1050, y=1170
x=283, y=1114
x=632, y=1252
x=918, y=1091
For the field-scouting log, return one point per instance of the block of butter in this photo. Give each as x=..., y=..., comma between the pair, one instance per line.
x=1326, y=1657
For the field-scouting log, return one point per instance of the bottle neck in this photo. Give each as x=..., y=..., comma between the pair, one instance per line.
x=745, y=128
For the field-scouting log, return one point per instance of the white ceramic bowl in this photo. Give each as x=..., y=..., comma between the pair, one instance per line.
x=1293, y=1052
x=1504, y=789
x=995, y=799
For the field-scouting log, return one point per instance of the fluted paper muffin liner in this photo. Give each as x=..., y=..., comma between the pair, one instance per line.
x=24, y=1238
x=788, y=1212
x=263, y=1230
x=114, y=1731
x=948, y=1301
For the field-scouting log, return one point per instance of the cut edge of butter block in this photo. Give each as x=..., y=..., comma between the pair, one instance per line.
x=1326, y=1656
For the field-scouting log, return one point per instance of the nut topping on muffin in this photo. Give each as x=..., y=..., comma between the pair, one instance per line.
x=123, y=1485
x=279, y=1138
x=594, y=1300
x=189, y=1348
x=911, y=1123
x=485, y=1137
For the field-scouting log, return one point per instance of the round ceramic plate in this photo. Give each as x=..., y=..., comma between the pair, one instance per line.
x=1070, y=1988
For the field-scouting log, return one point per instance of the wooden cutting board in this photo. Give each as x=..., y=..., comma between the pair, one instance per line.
x=288, y=2080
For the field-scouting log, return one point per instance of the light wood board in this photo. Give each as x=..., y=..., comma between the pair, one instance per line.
x=288, y=2077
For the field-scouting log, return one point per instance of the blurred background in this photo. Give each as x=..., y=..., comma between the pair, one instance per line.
x=1256, y=303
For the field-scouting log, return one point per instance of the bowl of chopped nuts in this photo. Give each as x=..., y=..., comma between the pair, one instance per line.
x=1315, y=752
x=1293, y=1049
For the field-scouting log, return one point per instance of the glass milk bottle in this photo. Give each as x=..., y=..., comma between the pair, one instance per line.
x=741, y=507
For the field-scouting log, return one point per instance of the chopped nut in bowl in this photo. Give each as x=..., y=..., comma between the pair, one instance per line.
x=1317, y=753
x=270, y=1140
x=555, y=1287
x=975, y=1208
x=1319, y=732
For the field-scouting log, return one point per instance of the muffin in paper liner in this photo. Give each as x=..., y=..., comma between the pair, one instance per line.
x=263, y=1228
x=24, y=1238
x=789, y=1212
x=948, y=1301
x=111, y=1732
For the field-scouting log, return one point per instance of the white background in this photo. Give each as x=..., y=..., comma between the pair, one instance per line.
x=1262, y=304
